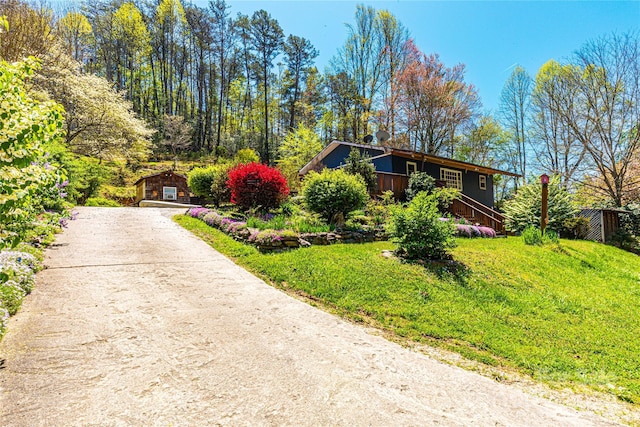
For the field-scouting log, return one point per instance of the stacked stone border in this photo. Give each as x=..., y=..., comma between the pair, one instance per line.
x=281, y=240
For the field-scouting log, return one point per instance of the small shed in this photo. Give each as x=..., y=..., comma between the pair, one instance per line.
x=603, y=223
x=167, y=186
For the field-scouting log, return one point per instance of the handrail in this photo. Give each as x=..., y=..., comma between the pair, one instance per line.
x=481, y=207
x=483, y=213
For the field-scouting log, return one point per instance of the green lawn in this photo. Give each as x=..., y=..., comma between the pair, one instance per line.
x=567, y=315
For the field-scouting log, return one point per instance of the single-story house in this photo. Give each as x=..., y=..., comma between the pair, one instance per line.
x=394, y=165
x=167, y=186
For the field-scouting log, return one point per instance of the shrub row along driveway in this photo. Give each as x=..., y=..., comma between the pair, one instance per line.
x=137, y=322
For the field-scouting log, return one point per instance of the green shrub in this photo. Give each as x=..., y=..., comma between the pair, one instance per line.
x=199, y=181
x=308, y=222
x=333, y=193
x=210, y=183
x=278, y=222
x=533, y=236
x=245, y=156
x=624, y=240
x=419, y=230
x=525, y=208
x=576, y=227
x=101, y=201
x=419, y=181
x=359, y=163
x=630, y=221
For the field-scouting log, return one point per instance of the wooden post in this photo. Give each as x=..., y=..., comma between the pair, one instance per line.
x=544, y=217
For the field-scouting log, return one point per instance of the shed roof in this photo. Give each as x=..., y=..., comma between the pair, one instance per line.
x=404, y=153
x=167, y=172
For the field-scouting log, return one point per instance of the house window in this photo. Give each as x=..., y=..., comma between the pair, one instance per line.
x=483, y=182
x=169, y=193
x=411, y=167
x=452, y=177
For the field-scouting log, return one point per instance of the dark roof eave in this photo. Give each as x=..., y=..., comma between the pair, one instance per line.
x=159, y=173
x=452, y=162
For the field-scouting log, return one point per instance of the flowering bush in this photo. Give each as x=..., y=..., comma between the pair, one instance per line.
x=17, y=271
x=255, y=185
x=212, y=219
x=198, y=212
x=466, y=230
x=267, y=237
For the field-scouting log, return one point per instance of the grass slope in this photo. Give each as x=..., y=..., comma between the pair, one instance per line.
x=566, y=315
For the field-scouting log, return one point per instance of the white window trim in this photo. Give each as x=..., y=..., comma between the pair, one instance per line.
x=169, y=190
x=415, y=167
x=449, y=173
x=483, y=182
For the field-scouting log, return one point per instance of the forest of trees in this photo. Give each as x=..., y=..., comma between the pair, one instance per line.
x=165, y=76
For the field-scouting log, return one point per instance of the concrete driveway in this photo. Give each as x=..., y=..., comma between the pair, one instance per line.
x=136, y=322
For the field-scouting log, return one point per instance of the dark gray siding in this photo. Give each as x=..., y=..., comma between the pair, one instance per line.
x=470, y=179
x=338, y=156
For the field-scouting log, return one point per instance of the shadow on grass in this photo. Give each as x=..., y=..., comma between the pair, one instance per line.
x=446, y=269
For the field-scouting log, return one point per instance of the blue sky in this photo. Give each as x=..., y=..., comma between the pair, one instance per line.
x=489, y=37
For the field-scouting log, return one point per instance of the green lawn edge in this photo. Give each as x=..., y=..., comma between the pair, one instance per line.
x=566, y=315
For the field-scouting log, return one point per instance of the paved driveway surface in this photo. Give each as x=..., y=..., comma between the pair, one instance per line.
x=137, y=322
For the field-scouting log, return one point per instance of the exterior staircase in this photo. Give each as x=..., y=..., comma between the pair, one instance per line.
x=477, y=213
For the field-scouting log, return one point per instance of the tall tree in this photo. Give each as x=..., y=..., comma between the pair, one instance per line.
x=482, y=143
x=557, y=149
x=299, y=55
x=170, y=34
x=515, y=100
x=393, y=40
x=223, y=41
x=29, y=31
x=435, y=101
x=76, y=35
x=360, y=59
x=608, y=122
x=132, y=40
x=266, y=39
x=202, y=75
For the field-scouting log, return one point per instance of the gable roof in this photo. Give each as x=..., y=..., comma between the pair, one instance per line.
x=172, y=172
x=385, y=151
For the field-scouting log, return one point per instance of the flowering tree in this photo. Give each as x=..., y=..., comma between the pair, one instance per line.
x=434, y=100
x=255, y=185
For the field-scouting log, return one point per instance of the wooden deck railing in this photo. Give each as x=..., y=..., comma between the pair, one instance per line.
x=477, y=213
x=392, y=181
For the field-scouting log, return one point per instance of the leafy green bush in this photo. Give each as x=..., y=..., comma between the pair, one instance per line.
x=359, y=163
x=419, y=181
x=308, y=222
x=101, y=201
x=277, y=222
x=576, y=227
x=245, y=156
x=210, y=183
x=533, y=236
x=630, y=221
x=419, y=230
x=333, y=193
x=298, y=148
x=624, y=240
x=28, y=126
x=525, y=208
